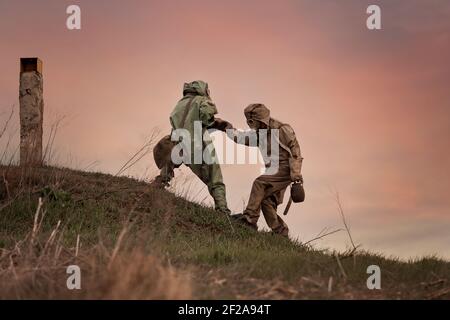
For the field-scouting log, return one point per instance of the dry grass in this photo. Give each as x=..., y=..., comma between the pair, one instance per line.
x=133, y=241
x=35, y=268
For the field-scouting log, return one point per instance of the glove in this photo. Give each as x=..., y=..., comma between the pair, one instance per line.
x=221, y=125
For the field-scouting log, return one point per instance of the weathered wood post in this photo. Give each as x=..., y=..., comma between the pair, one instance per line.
x=31, y=111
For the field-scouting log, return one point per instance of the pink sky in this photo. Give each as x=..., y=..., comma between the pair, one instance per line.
x=371, y=108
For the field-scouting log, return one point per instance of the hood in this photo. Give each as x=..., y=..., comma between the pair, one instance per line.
x=197, y=87
x=258, y=111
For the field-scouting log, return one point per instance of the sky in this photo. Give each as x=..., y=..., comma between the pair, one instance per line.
x=371, y=108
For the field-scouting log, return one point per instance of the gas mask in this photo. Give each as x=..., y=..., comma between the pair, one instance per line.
x=254, y=124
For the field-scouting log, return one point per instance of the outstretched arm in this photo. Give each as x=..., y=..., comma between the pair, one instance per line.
x=245, y=137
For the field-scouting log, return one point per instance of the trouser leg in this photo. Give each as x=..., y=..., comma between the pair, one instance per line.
x=211, y=175
x=217, y=188
x=274, y=221
x=257, y=194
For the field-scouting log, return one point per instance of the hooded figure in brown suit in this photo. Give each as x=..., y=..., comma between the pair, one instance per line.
x=282, y=166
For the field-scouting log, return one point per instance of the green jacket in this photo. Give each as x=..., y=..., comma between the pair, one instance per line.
x=201, y=109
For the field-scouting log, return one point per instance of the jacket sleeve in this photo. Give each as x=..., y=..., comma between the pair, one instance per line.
x=245, y=137
x=207, y=111
x=288, y=138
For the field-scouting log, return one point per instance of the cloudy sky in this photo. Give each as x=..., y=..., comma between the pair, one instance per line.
x=371, y=109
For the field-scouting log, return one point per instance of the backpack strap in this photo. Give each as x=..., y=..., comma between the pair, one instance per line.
x=288, y=206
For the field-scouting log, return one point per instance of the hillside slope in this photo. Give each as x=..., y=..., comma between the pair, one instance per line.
x=133, y=241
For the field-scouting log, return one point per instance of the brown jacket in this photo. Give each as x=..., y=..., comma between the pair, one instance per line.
x=289, y=151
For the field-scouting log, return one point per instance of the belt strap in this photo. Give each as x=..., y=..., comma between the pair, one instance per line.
x=288, y=206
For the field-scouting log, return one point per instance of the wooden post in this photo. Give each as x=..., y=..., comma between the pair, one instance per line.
x=31, y=111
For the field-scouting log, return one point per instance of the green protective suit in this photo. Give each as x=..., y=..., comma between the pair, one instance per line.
x=197, y=106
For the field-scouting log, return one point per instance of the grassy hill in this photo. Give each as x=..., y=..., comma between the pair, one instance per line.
x=134, y=241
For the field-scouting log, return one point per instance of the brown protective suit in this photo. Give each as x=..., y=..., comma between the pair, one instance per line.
x=268, y=189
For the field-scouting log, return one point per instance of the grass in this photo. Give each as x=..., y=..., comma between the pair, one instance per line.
x=134, y=241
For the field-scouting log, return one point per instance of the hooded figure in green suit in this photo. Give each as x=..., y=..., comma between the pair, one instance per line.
x=194, y=114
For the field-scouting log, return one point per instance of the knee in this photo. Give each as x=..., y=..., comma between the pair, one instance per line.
x=269, y=204
x=258, y=184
